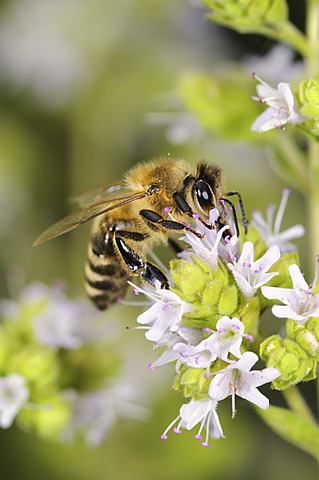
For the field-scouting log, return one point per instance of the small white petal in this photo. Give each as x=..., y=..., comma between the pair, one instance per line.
x=297, y=277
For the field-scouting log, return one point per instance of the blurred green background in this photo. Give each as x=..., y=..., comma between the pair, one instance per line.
x=77, y=82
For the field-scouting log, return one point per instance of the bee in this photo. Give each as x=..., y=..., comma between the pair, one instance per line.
x=154, y=199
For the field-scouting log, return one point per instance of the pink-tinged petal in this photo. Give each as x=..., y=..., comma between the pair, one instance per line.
x=247, y=254
x=268, y=259
x=297, y=278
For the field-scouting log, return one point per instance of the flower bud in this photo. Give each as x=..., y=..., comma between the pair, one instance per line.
x=306, y=335
x=190, y=278
x=194, y=382
x=309, y=98
x=289, y=358
x=228, y=301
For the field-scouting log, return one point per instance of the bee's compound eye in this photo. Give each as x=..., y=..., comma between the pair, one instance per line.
x=153, y=189
x=204, y=195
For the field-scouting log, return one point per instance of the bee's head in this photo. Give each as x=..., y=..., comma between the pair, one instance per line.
x=205, y=188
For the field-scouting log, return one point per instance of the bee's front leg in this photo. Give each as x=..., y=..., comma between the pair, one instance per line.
x=153, y=218
x=135, y=263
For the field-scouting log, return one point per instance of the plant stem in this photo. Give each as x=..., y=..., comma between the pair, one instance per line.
x=312, y=30
x=297, y=403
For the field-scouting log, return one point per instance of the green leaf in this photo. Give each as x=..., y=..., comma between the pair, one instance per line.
x=209, y=98
x=293, y=428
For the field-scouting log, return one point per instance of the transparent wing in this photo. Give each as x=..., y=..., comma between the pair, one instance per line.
x=101, y=194
x=84, y=215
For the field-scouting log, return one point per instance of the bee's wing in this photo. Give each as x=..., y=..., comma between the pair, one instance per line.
x=101, y=194
x=84, y=215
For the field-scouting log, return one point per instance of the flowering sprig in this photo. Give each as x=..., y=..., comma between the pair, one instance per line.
x=48, y=344
x=208, y=323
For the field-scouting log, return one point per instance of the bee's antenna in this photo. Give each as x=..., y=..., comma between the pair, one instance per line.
x=242, y=209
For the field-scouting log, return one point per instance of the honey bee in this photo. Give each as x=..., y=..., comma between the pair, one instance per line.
x=154, y=199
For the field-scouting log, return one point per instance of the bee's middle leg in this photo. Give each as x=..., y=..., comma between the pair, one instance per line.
x=135, y=263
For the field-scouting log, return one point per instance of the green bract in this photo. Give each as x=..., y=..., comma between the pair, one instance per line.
x=308, y=97
x=247, y=14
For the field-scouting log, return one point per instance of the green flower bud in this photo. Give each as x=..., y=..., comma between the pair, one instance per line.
x=307, y=335
x=289, y=358
x=193, y=382
x=309, y=98
x=188, y=381
x=250, y=317
x=228, y=301
x=212, y=293
x=38, y=365
x=190, y=278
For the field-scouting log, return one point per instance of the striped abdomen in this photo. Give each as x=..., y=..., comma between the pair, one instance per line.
x=105, y=277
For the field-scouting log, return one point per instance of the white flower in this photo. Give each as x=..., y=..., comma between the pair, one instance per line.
x=194, y=412
x=279, y=62
x=227, y=339
x=250, y=274
x=164, y=315
x=229, y=336
x=300, y=301
x=65, y=323
x=181, y=337
x=281, y=110
x=238, y=379
x=206, y=247
x=270, y=228
x=94, y=413
x=13, y=395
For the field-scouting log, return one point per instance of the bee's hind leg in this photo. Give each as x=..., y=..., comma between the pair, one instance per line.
x=135, y=263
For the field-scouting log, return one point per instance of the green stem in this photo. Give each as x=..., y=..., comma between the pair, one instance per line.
x=297, y=403
x=285, y=32
x=312, y=30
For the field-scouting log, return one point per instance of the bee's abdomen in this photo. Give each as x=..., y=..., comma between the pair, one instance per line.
x=105, y=277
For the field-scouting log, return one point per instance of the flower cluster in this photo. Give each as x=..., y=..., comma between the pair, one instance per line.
x=209, y=321
x=48, y=346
